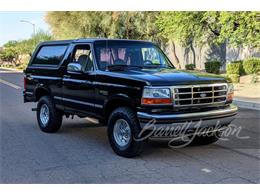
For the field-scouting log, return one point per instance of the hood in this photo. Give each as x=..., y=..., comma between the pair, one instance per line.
x=164, y=77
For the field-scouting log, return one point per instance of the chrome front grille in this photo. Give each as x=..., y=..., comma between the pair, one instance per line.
x=199, y=95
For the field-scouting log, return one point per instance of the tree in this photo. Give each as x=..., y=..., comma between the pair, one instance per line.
x=181, y=27
x=238, y=28
x=129, y=25
x=71, y=25
x=14, y=51
x=27, y=46
x=200, y=28
x=11, y=53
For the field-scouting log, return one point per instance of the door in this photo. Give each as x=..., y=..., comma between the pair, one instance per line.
x=78, y=89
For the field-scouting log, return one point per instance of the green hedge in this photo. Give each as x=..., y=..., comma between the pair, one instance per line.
x=190, y=66
x=235, y=67
x=213, y=67
x=251, y=65
x=235, y=78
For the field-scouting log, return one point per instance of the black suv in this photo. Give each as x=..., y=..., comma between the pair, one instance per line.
x=125, y=84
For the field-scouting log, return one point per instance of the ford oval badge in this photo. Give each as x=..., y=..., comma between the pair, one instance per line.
x=203, y=95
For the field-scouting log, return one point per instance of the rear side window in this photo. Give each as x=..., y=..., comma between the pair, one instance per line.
x=50, y=55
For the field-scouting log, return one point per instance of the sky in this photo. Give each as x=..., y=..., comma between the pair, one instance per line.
x=12, y=29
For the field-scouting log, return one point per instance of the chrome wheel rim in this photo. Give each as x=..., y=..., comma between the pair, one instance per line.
x=122, y=132
x=44, y=114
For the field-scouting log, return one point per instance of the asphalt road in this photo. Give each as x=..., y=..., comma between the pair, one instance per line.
x=80, y=152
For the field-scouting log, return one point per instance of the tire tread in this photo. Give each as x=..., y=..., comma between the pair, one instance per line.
x=55, y=120
x=136, y=147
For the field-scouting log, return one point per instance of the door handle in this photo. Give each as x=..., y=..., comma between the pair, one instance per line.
x=29, y=77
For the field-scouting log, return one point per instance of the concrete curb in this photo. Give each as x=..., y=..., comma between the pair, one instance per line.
x=247, y=104
x=11, y=70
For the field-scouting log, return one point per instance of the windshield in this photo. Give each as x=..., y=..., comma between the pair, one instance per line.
x=131, y=54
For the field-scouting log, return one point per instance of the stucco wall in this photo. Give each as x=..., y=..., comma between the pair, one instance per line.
x=241, y=53
x=223, y=53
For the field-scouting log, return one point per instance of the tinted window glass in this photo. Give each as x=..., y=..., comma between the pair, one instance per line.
x=83, y=56
x=135, y=54
x=50, y=55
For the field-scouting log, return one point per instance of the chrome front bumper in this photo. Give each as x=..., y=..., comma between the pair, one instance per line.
x=221, y=117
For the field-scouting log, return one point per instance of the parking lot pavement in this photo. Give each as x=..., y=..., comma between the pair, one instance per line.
x=80, y=152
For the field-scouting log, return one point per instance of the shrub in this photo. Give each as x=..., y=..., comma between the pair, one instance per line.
x=213, y=67
x=235, y=67
x=234, y=78
x=251, y=65
x=190, y=66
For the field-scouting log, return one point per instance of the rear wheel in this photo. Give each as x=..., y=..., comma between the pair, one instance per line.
x=48, y=117
x=123, y=127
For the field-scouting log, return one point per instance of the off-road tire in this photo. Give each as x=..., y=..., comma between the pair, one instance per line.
x=134, y=148
x=55, y=116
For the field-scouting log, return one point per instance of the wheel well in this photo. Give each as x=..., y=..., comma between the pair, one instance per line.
x=116, y=103
x=40, y=92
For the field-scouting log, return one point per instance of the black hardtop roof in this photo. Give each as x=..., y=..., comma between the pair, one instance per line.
x=88, y=40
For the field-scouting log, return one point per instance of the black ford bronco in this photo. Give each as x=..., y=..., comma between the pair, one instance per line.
x=130, y=86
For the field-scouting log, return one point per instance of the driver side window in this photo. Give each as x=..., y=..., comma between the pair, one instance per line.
x=82, y=55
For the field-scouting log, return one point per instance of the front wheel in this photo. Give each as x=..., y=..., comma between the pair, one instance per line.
x=123, y=127
x=48, y=117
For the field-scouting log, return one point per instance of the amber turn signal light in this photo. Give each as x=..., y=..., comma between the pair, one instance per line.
x=230, y=96
x=156, y=101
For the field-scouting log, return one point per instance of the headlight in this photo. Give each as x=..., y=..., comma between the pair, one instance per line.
x=230, y=93
x=156, y=95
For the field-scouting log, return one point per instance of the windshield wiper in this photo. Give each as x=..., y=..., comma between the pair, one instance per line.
x=153, y=66
x=116, y=67
x=121, y=67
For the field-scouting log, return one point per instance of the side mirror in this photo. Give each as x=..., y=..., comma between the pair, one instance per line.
x=75, y=68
